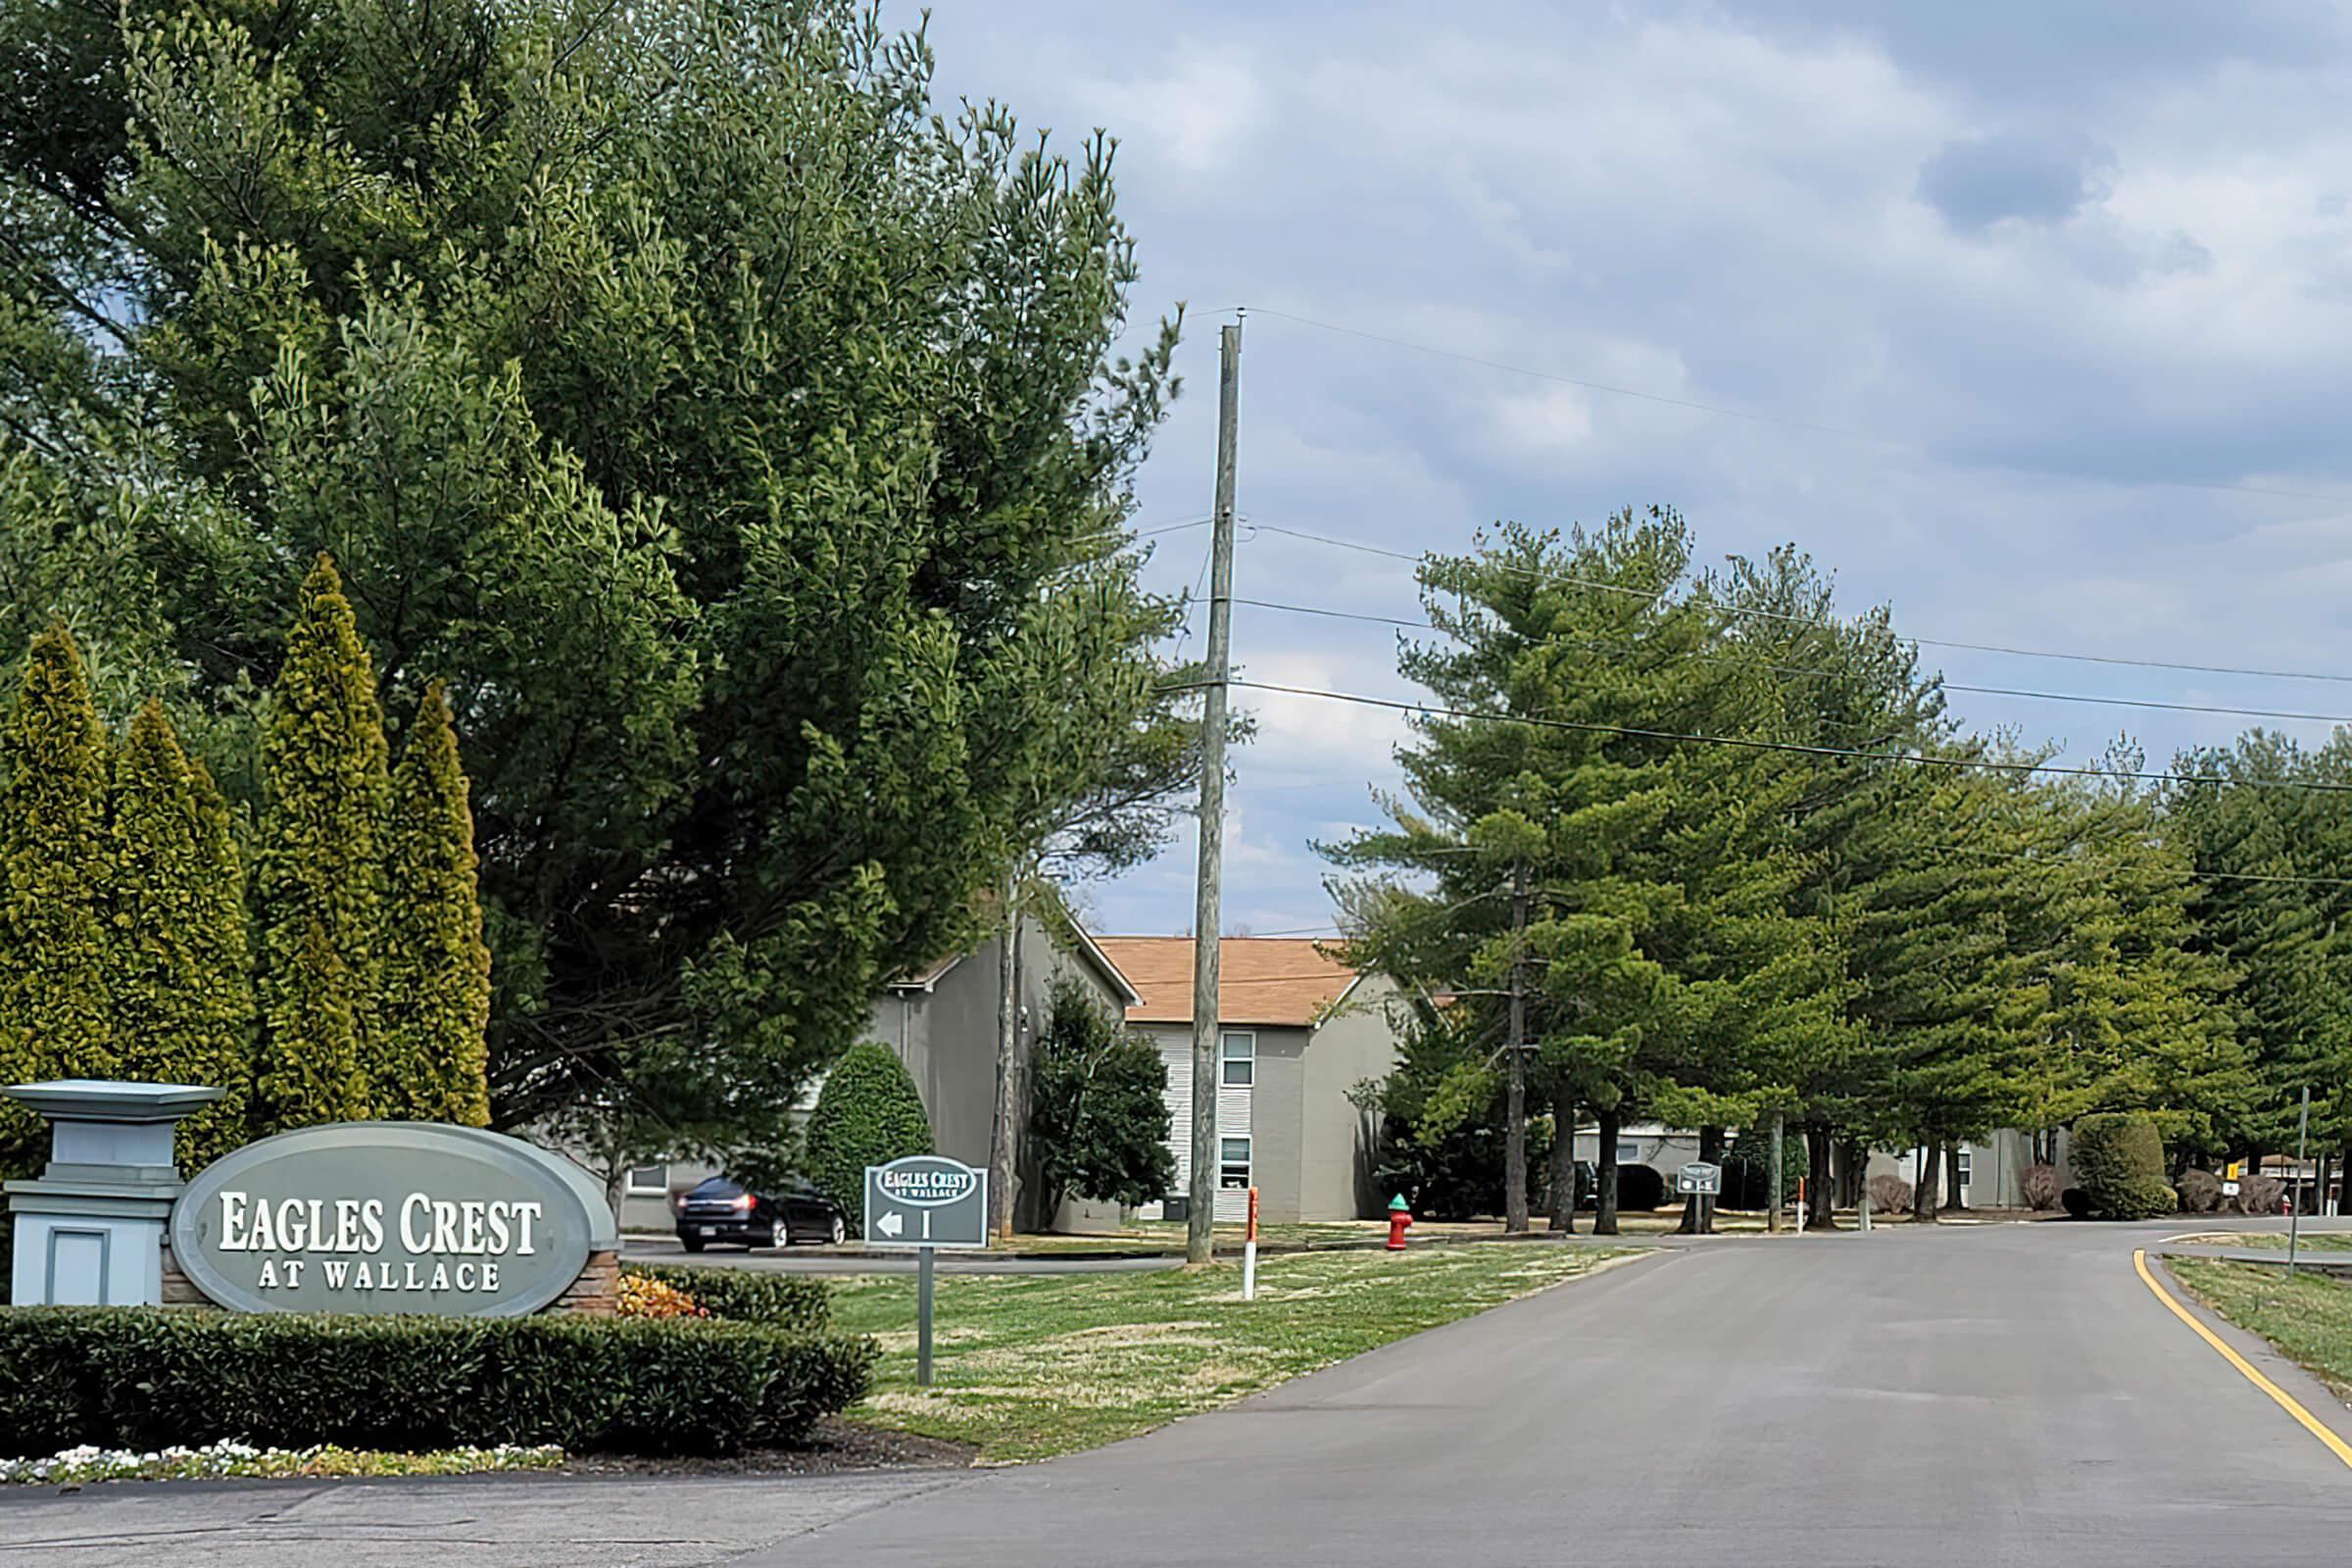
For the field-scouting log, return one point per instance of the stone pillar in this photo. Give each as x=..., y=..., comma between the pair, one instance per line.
x=89, y=1229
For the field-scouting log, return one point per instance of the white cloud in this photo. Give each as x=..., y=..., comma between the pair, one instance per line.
x=1721, y=203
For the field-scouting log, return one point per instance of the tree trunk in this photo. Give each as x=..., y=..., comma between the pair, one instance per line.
x=1931, y=1174
x=1009, y=1069
x=1849, y=1174
x=1954, y=1200
x=1604, y=1174
x=1563, y=1163
x=1821, y=1195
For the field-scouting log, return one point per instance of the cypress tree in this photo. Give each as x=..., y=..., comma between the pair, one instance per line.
x=181, y=965
x=429, y=1058
x=320, y=868
x=52, y=849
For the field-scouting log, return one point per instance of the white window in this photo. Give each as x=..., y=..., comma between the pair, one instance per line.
x=1629, y=1153
x=1233, y=1162
x=649, y=1181
x=1241, y=1061
x=1964, y=1164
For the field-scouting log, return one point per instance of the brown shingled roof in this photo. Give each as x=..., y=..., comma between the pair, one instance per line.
x=1260, y=980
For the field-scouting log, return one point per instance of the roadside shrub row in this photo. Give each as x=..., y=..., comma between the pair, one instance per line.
x=746, y=1296
x=151, y=1377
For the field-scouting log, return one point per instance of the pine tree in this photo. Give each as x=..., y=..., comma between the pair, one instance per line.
x=53, y=851
x=428, y=1059
x=320, y=868
x=312, y=1076
x=179, y=962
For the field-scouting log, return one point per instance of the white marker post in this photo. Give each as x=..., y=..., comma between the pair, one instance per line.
x=1250, y=1252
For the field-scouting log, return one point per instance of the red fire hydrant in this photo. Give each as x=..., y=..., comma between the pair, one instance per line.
x=1401, y=1219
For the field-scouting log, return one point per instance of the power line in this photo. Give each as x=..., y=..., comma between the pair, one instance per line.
x=1600, y=585
x=1848, y=432
x=1748, y=743
x=1802, y=669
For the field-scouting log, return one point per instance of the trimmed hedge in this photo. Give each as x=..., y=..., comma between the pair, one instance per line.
x=1640, y=1189
x=748, y=1295
x=869, y=1113
x=149, y=1377
x=2118, y=1162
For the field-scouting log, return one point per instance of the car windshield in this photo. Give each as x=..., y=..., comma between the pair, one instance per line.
x=715, y=1186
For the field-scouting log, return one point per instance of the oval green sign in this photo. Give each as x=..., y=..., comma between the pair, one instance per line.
x=389, y=1217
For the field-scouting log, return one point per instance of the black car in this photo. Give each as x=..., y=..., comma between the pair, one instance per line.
x=724, y=1210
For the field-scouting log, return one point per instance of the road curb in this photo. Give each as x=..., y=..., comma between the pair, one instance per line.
x=2331, y=1422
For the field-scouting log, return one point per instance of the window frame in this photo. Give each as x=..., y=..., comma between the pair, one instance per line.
x=631, y=1187
x=1227, y=1061
x=1968, y=1164
x=1225, y=1164
x=1629, y=1150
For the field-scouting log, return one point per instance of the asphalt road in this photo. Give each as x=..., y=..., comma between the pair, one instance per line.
x=1986, y=1397
x=2006, y=1394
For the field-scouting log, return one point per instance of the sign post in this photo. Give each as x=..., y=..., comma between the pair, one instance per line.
x=1703, y=1182
x=2294, y=1207
x=925, y=1201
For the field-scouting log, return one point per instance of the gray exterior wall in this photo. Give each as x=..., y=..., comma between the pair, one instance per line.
x=945, y=1034
x=1277, y=1110
x=1664, y=1150
x=1310, y=1147
x=1336, y=1140
x=1996, y=1168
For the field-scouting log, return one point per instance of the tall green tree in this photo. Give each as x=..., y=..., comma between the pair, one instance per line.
x=179, y=964
x=56, y=1018
x=1097, y=1107
x=431, y=1057
x=1669, y=970
x=320, y=872
x=2269, y=854
x=745, y=441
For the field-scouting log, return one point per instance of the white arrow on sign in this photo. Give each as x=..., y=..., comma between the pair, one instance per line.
x=891, y=1223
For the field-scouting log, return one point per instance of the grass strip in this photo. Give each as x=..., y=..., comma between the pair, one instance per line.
x=1030, y=1366
x=2309, y=1317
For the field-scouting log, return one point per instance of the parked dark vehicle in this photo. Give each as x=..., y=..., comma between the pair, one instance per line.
x=724, y=1210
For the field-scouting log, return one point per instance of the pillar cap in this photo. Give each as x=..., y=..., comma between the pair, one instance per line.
x=109, y=1100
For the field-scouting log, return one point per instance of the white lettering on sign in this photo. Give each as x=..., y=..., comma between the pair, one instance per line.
x=926, y=1187
x=428, y=1227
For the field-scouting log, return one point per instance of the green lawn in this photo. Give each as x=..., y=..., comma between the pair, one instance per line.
x=1032, y=1366
x=2276, y=1240
x=2309, y=1317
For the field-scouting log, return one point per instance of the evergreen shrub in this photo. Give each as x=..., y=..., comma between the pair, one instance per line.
x=1640, y=1189
x=747, y=1295
x=149, y=1377
x=869, y=1113
x=2118, y=1162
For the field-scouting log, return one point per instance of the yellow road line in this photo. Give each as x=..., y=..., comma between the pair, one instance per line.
x=2286, y=1401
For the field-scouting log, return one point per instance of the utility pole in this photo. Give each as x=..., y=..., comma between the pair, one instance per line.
x=1773, y=1175
x=1514, y=1103
x=2294, y=1211
x=1208, y=910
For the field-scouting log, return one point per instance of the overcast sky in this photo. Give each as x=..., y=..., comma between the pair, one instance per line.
x=2071, y=285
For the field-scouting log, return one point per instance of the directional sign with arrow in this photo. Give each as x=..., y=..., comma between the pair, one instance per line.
x=926, y=1200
